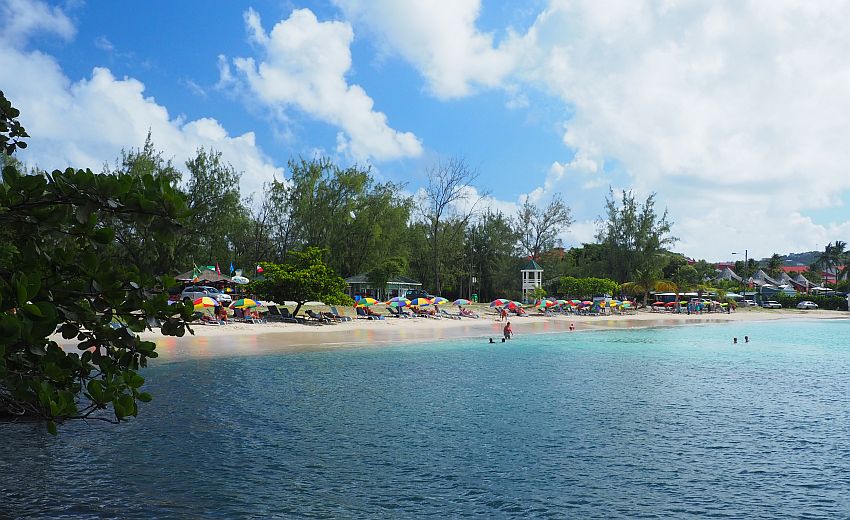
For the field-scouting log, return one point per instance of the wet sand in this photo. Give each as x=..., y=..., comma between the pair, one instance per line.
x=250, y=339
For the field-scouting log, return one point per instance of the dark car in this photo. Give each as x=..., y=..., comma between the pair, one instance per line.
x=417, y=293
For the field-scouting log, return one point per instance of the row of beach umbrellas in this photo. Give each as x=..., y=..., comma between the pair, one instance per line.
x=205, y=302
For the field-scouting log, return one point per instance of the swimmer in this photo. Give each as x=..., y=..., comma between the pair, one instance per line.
x=503, y=340
x=734, y=341
x=746, y=339
x=508, y=331
x=491, y=340
x=572, y=327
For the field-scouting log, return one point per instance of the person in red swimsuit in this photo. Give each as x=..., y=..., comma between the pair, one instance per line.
x=508, y=331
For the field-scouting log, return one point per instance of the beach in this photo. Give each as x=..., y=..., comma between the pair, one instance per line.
x=256, y=339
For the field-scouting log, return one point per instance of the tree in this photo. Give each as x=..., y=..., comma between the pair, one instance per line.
x=381, y=274
x=685, y=278
x=538, y=227
x=212, y=195
x=305, y=277
x=12, y=132
x=634, y=235
x=833, y=259
x=448, y=183
x=774, y=265
x=646, y=280
x=489, y=244
x=56, y=273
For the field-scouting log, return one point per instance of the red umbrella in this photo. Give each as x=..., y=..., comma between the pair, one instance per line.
x=658, y=303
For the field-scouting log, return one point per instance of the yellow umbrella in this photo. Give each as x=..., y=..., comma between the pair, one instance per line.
x=204, y=302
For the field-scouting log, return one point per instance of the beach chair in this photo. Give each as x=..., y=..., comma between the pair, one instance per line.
x=338, y=315
x=449, y=315
x=275, y=314
x=318, y=317
x=398, y=313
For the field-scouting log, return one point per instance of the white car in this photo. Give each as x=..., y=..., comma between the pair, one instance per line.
x=748, y=303
x=771, y=305
x=807, y=305
x=193, y=292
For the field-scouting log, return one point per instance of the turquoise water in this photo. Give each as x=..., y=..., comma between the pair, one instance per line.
x=673, y=422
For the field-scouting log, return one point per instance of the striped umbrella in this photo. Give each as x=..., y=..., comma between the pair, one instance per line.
x=514, y=305
x=421, y=302
x=499, y=302
x=545, y=304
x=461, y=301
x=367, y=302
x=204, y=302
x=439, y=300
x=244, y=303
x=398, y=301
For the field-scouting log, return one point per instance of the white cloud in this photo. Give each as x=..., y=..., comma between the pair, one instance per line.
x=86, y=123
x=735, y=112
x=440, y=39
x=304, y=65
x=21, y=18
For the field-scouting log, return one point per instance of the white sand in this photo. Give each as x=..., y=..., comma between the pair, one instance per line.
x=249, y=339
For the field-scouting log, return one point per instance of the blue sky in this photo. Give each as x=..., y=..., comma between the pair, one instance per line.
x=744, y=148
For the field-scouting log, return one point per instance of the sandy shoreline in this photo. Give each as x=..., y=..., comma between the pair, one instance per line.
x=237, y=339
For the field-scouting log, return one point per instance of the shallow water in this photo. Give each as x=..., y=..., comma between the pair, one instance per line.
x=673, y=422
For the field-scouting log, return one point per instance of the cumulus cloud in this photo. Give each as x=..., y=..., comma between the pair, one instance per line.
x=440, y=39
x=303, y=65
x=19, y=19
x=86, y=123
x=734, y=112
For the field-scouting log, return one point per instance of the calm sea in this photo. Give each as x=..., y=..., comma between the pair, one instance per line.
x=673, y=422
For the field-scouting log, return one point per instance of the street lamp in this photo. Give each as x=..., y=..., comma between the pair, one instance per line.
x=746, y=269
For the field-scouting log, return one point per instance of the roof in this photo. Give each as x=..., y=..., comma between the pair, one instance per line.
x=394, y=280
x=205, y=276
x=532, y=266
x=728, y=274
x=795, y=268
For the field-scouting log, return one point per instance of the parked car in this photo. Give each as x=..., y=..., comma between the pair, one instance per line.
x=748, y=303
x=193, y=292
x=771, y=305
x=807, y=305
x=417, y=293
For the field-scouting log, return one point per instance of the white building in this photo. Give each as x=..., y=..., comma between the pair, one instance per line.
x=532, y=278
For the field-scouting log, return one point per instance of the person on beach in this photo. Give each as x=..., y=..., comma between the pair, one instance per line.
x=572, y=327
x=508, y=331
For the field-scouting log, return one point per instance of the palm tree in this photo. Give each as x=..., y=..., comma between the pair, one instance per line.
x=646, y=280
x=833, y=257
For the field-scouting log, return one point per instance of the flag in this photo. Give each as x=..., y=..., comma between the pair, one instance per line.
x=232, y=270
x=196, y=273
x=217, y=269
x=259, y=269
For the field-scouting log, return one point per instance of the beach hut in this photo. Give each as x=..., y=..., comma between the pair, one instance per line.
x=532, y=278
x=396, y=286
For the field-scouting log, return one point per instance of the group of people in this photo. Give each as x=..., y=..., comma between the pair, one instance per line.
x=735, y=340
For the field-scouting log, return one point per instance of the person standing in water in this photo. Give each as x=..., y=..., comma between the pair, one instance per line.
x=508, y=331
x=734, y=341
x=572, y=327
x=746, y=339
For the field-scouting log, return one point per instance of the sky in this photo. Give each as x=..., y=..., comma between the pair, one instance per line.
x=735, y=113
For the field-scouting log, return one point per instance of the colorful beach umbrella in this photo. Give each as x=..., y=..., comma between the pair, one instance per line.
x=243, y=303
x=398, y=301
x=514, y=305
x=499, y=302
x=204, y=302
x=367, y=302
x=439, y=300
x=657, y=303
x=545, y=304
x=420, y=302
x=461, y=301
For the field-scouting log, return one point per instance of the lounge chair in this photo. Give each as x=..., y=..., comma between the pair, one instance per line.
x=338, y=315
x=363, y=315
x=449, y=315
x=320, y=318
x=398, y=313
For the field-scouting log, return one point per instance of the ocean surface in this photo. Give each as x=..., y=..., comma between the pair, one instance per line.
x=655, y=423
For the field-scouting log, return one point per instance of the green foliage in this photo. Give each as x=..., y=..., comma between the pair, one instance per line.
x=587, y=287
x=774, y=265
x=385, y=270
x=634, y=236
x=686, y=278
x=57, y=274
x=11, y=130
x=646, y=280
x=490, y=244
x=538, y=293
x=834, y=303
x=305, y=277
